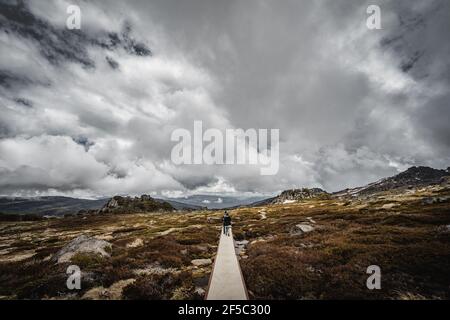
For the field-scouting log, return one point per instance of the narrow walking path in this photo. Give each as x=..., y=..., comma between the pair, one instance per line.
x=226, y=282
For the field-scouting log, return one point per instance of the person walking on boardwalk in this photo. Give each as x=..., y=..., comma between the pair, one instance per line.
x=226, y=223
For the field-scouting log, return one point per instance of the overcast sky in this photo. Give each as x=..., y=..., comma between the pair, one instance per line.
x=89, y=113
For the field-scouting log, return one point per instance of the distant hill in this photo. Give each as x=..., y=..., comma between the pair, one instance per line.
x=414, y=177
x=52, y=206
x=183, y=206
x=215, y=202
x=261, y=203
x=59, y=206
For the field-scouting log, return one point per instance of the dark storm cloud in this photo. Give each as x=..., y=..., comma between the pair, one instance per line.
x=8, y=79
x=352, y=105
x=85, y=142
x=55, y=44
x=433, y=120
x=419, y=42
x=279, y=64
x=24, y=102
x=60, y=44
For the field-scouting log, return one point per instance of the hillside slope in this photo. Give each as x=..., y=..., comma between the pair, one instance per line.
x=413, y=178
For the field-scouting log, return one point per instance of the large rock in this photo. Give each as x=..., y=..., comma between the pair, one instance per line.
x=83, y=244
x=201, y=262
x=300, y=229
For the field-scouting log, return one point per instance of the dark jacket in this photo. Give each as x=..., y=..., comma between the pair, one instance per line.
x=226, y=221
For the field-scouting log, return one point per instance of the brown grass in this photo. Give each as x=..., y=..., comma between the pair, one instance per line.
x=410, y=242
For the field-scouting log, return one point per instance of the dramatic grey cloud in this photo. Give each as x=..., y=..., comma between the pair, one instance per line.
x=90, y=112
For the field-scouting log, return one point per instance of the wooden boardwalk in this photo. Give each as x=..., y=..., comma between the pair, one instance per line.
x=226, y=281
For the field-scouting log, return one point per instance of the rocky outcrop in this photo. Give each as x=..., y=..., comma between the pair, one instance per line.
x=145, y=203
x=290, y=196
x=83, y=244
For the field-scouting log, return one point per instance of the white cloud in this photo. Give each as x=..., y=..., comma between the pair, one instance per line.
x=346, y=111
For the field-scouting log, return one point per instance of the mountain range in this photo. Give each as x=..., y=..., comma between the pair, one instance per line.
x=414, y=177
x=59, y=206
